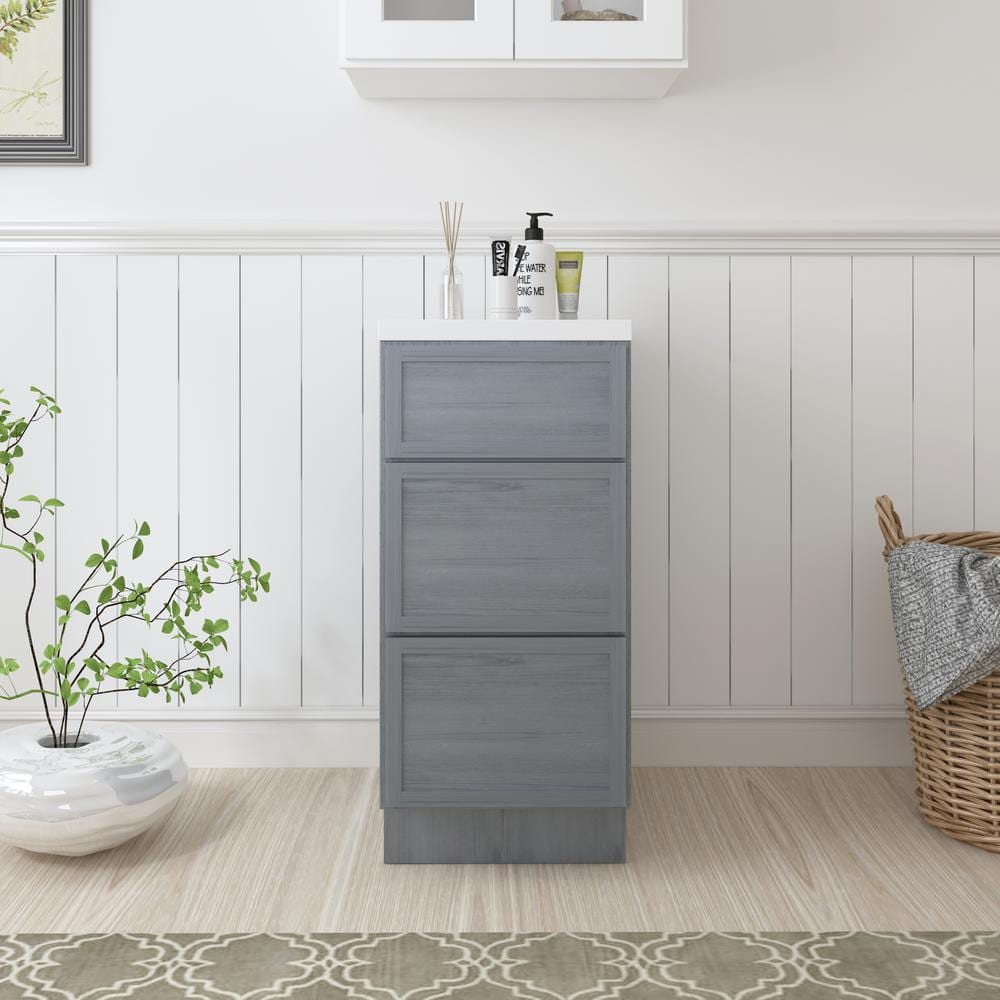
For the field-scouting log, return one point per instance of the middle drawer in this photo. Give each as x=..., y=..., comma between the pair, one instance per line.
x=504, y=548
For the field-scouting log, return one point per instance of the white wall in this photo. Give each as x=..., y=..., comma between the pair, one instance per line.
x=775, y=392
x=877, y=110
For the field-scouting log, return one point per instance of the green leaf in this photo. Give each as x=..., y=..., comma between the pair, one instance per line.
x=30, y=498
x=83, y=607
x=49, y=651
x=254, y=564
x=137, y=549
x=63, y=602
x=144, y=529
x=52, y=503
x=94, y=560
x=106, y=594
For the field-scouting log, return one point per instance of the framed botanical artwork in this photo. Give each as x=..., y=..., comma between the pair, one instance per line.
x=43, y=81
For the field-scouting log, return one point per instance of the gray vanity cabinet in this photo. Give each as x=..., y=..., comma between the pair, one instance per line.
x=504, y=601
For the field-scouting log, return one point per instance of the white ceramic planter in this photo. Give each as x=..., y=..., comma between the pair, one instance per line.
x=124, y=781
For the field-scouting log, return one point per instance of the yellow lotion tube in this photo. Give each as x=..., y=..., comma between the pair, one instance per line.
x=569, y=271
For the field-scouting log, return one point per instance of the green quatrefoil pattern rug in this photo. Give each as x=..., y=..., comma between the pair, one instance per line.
x=701, y=966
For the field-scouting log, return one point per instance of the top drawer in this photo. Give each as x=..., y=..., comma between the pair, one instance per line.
x=502, y=400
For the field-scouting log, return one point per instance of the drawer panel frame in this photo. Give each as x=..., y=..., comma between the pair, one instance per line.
x=392, y=707
x=395, y=622
x=533, y=445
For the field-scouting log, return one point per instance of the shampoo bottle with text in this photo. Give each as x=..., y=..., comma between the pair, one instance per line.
x=536, y=281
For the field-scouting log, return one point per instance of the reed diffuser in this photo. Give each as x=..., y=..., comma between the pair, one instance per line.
x=452, y=304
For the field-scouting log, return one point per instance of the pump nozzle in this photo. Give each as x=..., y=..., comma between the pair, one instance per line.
x=534, y=231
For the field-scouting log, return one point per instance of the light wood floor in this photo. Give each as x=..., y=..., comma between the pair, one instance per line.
x=710, y=849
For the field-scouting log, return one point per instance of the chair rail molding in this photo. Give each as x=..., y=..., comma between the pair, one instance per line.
x=325, y=238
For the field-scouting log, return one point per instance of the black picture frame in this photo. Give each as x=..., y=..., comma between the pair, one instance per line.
x=71, y=146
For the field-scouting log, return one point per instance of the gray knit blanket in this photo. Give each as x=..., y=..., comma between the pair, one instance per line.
x=946, y=609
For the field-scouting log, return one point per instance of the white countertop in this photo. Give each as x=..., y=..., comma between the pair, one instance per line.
x=510, y=330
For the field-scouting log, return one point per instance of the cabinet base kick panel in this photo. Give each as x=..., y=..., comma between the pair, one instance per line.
x=504, y=836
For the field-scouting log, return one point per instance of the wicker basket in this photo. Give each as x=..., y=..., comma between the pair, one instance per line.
x=956, y=744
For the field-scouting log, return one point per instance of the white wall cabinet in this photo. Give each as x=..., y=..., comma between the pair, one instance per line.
x=657, y=35
x=428, y=29
x=511, y=49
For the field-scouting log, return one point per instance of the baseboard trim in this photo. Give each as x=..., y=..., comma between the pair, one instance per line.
x=661, y=737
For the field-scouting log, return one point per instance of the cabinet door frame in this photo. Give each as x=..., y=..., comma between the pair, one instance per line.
x=395, y=622
x=660, y=36
x=615, y=354
x=368, y=36
x=391, y=720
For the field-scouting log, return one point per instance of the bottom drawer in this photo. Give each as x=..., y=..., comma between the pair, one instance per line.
x=504, y=722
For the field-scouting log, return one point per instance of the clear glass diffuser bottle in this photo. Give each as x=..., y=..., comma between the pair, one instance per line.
x=452, y=294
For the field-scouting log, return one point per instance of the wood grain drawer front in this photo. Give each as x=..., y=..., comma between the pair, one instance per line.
x=500, y=400
x=504, y=548
x=505, y=722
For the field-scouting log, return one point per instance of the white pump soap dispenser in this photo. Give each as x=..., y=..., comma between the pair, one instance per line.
x=536, y=277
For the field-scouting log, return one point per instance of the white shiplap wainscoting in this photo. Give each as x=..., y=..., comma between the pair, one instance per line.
x=223, y=386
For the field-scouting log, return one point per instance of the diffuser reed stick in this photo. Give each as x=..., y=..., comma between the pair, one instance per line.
x=451, y=220
x=451, y=289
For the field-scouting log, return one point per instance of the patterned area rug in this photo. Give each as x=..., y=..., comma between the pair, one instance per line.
x=893, y=966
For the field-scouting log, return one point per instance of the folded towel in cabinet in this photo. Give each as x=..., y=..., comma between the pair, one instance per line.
x=946, y=611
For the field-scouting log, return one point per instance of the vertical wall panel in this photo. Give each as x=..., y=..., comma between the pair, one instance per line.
x=393, y=289
x=27, y=322
x=943, y=388
x=209, y=440
x=473, y=268
x=147, y=436
x=821, y=481
x=332, y=489
x=270, y=476
x=987, y=365
x=761, y=516
x=699, y=480
x=594, y=287
x=638, y=289
x=86, y=476
x=883, y=458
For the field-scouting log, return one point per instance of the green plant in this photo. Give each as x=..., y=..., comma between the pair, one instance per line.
x=71, y=670
x=17, y=18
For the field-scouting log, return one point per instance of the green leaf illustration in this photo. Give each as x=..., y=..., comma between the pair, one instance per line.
x=18, y=18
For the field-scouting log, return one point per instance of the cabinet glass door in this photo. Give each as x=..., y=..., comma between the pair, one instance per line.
x=429, y=29
x=550, y=29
